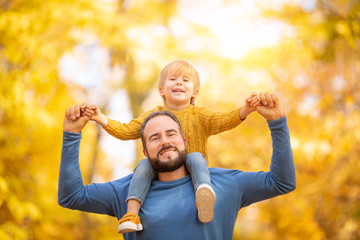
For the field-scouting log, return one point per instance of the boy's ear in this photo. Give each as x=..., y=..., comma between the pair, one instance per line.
x=161, y=92
x=196, y=92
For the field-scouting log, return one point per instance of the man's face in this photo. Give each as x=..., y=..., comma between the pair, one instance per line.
x=165, y=147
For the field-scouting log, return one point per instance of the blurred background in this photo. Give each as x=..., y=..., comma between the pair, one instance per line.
x=57, y=53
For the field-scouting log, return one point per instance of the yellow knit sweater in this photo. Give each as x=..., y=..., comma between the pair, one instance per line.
x=197, y=123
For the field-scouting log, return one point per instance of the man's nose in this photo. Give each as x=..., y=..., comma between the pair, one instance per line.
x=165, y=141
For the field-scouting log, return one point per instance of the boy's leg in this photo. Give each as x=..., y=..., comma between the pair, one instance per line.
x=197, y=166
x=138, y=189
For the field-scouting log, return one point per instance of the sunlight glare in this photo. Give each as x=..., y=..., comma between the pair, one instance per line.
x=237, y=26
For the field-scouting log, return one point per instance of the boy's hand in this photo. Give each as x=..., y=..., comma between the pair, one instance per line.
x=250, y=105
x=87, y=110
x=94, y=113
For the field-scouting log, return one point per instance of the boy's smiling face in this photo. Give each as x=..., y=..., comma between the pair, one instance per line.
x=178, y=90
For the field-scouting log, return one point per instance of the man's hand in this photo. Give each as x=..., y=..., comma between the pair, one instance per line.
x=73, y=121
x=270, y=107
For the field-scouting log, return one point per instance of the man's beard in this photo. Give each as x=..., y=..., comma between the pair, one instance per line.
x=171, y=164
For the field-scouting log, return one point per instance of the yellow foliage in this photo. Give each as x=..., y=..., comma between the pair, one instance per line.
x=315, y=71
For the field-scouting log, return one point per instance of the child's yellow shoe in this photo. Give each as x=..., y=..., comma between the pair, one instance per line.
x=130, y=222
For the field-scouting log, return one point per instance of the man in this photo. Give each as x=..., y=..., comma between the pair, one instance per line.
x=169, y=211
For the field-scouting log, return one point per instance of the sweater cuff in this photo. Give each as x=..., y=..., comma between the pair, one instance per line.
x=71, y=135
x=278, y=123
x=110, y=127
x=237, y=114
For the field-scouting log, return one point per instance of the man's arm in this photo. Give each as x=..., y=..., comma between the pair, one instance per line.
x=282, y=168
x=72, y=193
x=281, y=178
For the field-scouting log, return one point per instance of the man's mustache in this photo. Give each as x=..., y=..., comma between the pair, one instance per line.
x=165, y=148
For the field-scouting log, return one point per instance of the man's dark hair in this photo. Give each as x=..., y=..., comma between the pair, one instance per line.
x=155, y=114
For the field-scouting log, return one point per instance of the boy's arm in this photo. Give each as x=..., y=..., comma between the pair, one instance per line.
x=122, y=131
x=217, y=122
x=127, y=131
x=94, y=112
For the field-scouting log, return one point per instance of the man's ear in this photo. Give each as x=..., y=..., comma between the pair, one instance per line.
x=185, y=142
x=145, y=153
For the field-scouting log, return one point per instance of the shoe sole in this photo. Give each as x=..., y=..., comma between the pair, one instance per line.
x=129, y=227
x=205, y=201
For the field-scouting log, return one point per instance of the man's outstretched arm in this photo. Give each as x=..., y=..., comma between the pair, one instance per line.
x=72, y=193
x=282, y=167
x=70, y=178
x=281, y=178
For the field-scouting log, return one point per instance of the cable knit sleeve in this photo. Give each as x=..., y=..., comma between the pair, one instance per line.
x=127, y=131
x=217, y=122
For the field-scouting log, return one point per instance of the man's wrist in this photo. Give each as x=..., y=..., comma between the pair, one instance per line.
x=277, y=121
x=72, y=126
x=73, y=130
x=71, y=133
x=275, y=117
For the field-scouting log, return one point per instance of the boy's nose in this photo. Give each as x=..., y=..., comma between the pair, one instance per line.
x=179, y=81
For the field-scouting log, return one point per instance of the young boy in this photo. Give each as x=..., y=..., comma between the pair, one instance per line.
x=179, y=84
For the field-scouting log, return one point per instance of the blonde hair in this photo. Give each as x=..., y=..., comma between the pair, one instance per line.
x=180, y=67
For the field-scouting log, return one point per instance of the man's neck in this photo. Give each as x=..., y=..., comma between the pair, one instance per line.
x=174, y=175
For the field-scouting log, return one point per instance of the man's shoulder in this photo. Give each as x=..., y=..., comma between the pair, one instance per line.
x=122, y=182
x=226, y=180
x=223, y=171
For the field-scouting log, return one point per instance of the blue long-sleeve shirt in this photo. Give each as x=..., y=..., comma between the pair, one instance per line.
x=169, y=211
